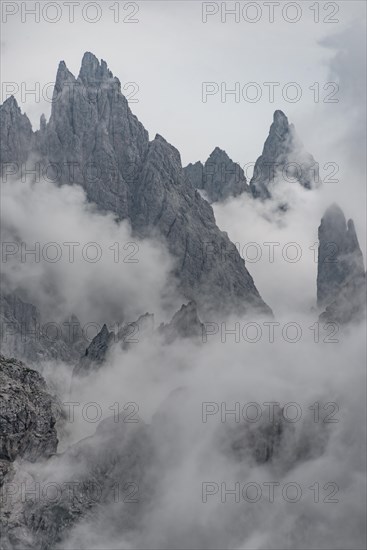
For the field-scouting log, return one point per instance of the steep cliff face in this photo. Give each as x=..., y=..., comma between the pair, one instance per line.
x=184, y=324
x=283, y=156
x=99, y=478
x=220, y=177
x=92, y=139
x=23, y=335
x=27, y=421
x=96, y=353
x=113, y=480
x=28, y=415
x=16, y=136
x=341, y=279
x=164, y=200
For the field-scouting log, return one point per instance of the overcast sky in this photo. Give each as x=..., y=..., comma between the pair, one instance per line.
x=169, y=52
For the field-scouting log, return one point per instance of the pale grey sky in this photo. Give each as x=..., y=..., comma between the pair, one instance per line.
x=170, y=52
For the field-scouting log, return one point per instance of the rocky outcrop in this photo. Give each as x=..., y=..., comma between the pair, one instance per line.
x=16, y=136
x=163, y=199
x=284, y=157
x=112, y=480
x=184, y=324
x=27, y=414
x=341, y=277
x=24, y=335
x=92, y=139
x=96, y=353
x=349, y=305
x=219, y=178
x=41, y=502
x=84, y=483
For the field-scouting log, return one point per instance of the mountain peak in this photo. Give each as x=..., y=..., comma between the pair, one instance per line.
x=282, y=151
x=279, y=117
x=10, y=104
x=218, y=150
x=334, y=211
x=63, y=75
x=220, y=177
x=92, y=71
x=218, y=154
x=333, y=221
x=339, y=257
x=280, y=124
x=88, y=58
x=139, y=180
x=15, y=132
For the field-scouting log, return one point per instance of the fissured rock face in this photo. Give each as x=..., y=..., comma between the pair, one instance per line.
x=27, y=421
x=93, y=139
x=283, y=156
x=16, y=135
x=339, y=256
x=220, y=177
x=23, y=335
x=341, y=279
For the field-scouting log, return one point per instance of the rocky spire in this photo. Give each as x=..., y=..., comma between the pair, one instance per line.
x=63, y=76
x=93, y=130
x=16, y=136
x=340, y=272
x=219, y=178
x=184, y=324
x=96, y=353
x=92, y=72
x=283, y=156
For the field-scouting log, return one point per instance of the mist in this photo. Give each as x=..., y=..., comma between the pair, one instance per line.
x=252, y=434
x=69, y=258
x=197, y=399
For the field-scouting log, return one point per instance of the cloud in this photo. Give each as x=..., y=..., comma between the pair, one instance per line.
x=323, y=381
x=83, y=262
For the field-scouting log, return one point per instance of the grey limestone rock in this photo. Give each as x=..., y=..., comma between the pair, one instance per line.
x=184, y=324
x=16, y=135
x=284, y=154
x=99, y=479
x=93, y=139
x=129, y=334
x=350, y=303
x=24, y=335
x=340, y=270
x=27, y=414
x=220, y=177
x=95, y=353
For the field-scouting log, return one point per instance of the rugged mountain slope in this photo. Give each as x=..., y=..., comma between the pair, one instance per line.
x=184, y=324
x=96, y=352
x=16, y=135
x=219, y=177
x=113, y=480
x=27, y=416
x=92, y=139
x=283, y=155
x=23, y=334
x=341, y=279
x=88, y=483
